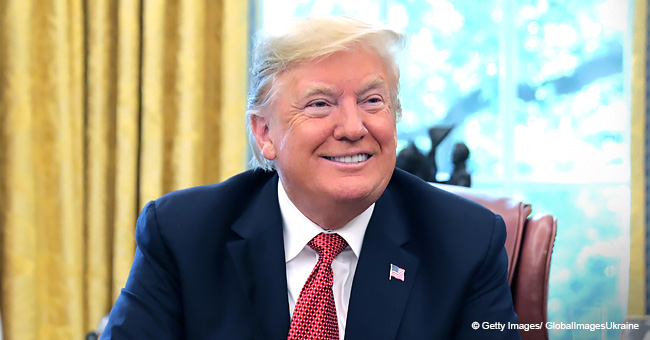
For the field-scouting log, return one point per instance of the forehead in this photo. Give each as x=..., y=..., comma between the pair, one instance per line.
x=311, y=88
x=358, y=67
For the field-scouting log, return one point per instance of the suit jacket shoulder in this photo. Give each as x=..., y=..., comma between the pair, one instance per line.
x=205, y=258
x=452, y=251
x=232, y=195
x=434, y=215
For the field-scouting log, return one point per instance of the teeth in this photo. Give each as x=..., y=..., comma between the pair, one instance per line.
x=350, y=159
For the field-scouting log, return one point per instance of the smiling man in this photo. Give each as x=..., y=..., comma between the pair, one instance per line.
x=325, y=239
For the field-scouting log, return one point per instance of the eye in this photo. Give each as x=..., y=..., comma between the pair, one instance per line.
x=319, y=104
x=374, y=99
x=318, y=108
x=373, y=103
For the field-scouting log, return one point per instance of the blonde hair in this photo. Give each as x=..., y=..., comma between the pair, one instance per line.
x=305, y=40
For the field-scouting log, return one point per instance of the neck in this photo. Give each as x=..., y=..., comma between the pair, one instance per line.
x=331, y=215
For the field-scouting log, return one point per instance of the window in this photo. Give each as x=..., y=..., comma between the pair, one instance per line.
x=538, y=90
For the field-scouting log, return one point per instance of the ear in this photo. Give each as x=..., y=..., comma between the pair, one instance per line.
x=260, y=128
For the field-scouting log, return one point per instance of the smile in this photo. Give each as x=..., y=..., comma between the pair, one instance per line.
x=362, y=157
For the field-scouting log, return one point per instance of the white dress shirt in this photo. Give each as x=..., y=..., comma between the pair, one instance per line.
x=300, y=258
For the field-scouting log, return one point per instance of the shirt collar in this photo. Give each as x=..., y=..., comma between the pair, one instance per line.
x=298, y=229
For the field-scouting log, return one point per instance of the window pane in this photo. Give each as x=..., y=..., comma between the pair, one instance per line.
x=571, y=123
x=572, y=111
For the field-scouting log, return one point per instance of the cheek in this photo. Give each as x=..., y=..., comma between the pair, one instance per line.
x=385, y=133
x=296, y=143
x=312, y=134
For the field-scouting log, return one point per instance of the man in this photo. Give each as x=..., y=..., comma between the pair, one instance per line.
x=328, y=240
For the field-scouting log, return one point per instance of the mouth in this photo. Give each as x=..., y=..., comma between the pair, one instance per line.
x=360, y=157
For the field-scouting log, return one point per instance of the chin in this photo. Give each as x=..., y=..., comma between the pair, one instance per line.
x=352, y=193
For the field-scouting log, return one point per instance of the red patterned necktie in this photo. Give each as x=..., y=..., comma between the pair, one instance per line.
x=314, y=317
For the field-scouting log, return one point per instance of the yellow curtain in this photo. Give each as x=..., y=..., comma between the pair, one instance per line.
x=105, y=105
x=638, y=265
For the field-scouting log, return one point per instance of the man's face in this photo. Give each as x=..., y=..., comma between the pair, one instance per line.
x=331, y=131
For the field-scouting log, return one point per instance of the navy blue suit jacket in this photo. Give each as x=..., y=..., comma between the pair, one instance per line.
x=210, y=265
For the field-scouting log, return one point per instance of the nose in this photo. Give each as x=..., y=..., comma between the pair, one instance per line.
x=350, y=125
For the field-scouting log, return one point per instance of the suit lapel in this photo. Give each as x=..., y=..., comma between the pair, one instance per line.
x=377, y=303
x=258, y=256
x=259, y=261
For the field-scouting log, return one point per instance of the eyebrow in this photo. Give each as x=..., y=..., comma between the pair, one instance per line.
x=318, y=89
x=373, y=84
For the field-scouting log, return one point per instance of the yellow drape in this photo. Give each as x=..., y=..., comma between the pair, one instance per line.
x=105, y=105
x=638, y=265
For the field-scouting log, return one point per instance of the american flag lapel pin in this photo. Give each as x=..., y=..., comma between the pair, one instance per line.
x=396, y=272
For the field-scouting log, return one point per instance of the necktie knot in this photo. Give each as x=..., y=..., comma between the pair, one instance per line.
x=328, y=246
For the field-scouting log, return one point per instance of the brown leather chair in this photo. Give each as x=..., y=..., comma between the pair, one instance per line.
x=529, y=245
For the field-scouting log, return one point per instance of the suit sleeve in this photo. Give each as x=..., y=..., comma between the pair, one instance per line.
x=489, y=300
x=149, y=307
